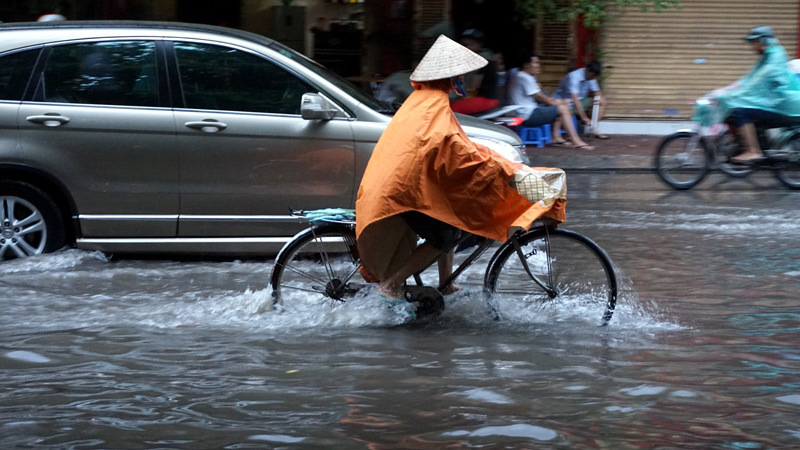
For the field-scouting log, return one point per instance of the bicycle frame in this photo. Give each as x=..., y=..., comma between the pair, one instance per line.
x=700, y=132
x=513, y=240
x=770, y=143
x=767, y=143
x=336, y=292
x=482, y=247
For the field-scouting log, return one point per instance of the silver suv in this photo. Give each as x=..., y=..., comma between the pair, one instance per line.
x=131, y=137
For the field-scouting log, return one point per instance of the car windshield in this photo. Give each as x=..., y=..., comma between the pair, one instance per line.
x=337, y=80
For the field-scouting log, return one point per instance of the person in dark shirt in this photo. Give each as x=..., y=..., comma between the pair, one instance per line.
x=482, y=85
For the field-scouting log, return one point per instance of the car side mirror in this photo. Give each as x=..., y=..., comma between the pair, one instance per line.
x=317, y=107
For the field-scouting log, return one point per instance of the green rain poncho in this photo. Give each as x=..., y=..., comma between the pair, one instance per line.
x=769, y=86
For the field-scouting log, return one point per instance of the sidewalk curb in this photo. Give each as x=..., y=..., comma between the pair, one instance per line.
x=620, y=153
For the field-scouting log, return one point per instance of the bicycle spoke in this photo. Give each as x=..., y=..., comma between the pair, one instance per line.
x=306, y=275
x=310, y=288
x=559, y=270
x=318, y=266
x=317, y=242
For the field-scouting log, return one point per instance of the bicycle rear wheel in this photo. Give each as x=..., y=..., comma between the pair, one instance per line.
x=682, y=160
x=319, y=266
x=789, y=170
x=576, y=274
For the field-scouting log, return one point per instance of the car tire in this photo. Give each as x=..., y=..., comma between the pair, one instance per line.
x=30, y=221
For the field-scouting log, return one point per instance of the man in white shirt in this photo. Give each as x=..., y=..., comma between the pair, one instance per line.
x=538, y=109
x=580, y=87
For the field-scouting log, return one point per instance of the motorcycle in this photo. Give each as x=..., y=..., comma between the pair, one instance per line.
x=684, y=158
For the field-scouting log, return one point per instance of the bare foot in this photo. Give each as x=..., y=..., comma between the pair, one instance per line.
x=746, y=157
x=391, y=292
x=452, y=289
x=582, y=145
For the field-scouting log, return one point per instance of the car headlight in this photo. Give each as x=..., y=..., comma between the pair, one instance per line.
x=505, y=149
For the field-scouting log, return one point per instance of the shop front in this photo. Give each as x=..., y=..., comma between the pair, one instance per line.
x=658, y=63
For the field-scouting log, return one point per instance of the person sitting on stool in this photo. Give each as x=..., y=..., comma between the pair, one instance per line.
x=579, y=87
x=537, y=108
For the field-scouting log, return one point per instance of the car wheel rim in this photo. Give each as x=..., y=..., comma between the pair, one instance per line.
x=23, y=231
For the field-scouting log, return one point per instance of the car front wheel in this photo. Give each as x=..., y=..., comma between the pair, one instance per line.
x=30, y=222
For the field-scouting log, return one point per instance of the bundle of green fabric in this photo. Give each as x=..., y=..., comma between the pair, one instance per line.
x=707, y=113
x=319, y=216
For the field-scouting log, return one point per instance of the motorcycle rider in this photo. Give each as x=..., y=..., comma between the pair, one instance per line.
x=769, y=95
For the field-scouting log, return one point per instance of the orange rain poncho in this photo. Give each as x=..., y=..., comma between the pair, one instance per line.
x=424, y=161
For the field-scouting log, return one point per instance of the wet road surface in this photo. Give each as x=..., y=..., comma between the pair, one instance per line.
x=701, y=353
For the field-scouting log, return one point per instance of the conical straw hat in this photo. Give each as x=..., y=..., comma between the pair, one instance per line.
x=447, y=58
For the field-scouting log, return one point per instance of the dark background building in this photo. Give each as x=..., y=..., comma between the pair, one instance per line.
x=655, y=62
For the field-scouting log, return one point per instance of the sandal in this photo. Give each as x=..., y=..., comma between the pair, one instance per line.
x=583, y=147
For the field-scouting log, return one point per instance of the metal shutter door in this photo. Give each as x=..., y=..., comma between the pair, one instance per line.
x=657, y=63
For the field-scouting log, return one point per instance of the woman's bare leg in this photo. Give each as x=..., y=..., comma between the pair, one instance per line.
x=420, y=259
x=556, y=128
x=557, y=131
x=445, y=270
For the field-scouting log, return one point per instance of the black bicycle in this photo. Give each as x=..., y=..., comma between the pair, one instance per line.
x=546, y=265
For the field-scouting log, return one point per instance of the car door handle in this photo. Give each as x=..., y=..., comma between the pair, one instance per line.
x=49, y=119
x=207, y=125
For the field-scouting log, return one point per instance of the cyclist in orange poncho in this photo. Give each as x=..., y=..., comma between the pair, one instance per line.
x=427, y=177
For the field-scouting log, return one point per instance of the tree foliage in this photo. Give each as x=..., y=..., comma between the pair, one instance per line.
x=593, y=12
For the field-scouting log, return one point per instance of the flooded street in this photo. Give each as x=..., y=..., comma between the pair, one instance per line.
x=702, y=351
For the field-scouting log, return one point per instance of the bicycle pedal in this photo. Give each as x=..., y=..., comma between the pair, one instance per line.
x=429, y=300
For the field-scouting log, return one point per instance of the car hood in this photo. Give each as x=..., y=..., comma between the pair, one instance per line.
x=483, y=128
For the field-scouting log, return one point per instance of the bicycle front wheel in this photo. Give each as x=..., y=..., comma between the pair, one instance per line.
x=682, y=160
x=319, y=266
x=568, y=273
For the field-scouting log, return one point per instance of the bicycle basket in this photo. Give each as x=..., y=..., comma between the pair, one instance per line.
x=542, y=186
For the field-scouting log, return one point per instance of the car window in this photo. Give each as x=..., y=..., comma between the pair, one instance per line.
x=15, y=70
x=222, y=78
x=334, y=78
x=101, y=73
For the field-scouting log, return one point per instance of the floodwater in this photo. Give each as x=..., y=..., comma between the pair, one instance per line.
x=701, y=353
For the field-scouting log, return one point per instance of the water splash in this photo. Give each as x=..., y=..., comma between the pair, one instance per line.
x=26, y=356
x=522, y=430
x=51, y=262
x=232, y=295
